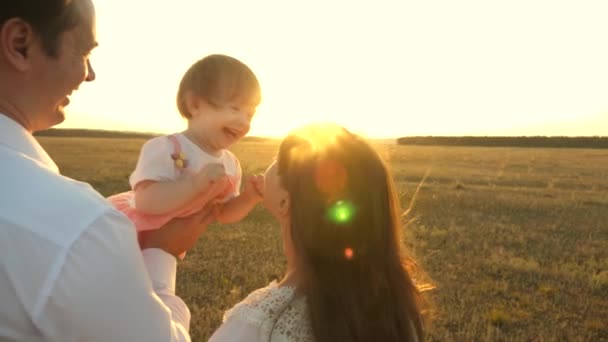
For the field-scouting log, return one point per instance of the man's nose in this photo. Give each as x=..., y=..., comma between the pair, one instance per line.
x=90, y=72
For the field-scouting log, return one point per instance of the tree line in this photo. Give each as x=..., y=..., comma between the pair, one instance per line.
x=99, y=133
x=525, y=141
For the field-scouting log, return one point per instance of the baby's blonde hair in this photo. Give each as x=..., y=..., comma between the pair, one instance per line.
x=219, y=80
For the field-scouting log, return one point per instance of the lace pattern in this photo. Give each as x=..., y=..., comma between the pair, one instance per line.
x=262, y=307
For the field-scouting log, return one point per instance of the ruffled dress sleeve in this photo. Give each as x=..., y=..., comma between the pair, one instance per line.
x=273, y=313
x=155, y=162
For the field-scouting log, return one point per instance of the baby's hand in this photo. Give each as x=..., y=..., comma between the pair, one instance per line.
x=254, y=188
x=210, y=173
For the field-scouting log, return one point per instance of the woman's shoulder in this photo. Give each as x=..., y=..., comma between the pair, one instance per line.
x=275, y=310
x=263, y=302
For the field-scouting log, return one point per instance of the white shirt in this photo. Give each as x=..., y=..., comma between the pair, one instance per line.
x=70, y=266
x=155, y=162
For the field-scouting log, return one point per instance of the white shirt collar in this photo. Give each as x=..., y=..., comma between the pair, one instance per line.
x=17, y=138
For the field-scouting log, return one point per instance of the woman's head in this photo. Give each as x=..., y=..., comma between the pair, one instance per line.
x=337, y=197
x=218, y=95
x=340, y=197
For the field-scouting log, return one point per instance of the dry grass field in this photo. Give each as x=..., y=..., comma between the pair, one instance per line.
x=515, y=239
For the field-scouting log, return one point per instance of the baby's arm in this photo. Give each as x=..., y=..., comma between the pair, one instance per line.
x=154, y=197
x=238, y=207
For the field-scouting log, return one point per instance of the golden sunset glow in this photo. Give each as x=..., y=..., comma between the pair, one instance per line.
x=380, y=68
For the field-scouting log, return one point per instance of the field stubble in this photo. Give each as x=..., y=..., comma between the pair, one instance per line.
x=515, y=239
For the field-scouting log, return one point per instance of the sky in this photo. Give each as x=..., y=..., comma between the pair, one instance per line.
x=383, y=69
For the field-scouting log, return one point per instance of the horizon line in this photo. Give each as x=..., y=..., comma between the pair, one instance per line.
x=368, y=137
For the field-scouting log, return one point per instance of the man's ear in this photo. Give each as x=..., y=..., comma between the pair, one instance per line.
x=17, y=40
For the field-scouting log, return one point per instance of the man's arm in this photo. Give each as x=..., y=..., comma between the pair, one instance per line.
x=106, y=291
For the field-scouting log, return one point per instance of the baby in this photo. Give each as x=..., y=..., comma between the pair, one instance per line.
x=179, y=174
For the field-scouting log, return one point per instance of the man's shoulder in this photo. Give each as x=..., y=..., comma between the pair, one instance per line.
x=38, y=199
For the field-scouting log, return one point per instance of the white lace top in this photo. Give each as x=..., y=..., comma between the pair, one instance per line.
x=272, y=313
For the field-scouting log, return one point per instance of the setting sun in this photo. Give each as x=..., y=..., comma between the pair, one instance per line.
x=382, y=69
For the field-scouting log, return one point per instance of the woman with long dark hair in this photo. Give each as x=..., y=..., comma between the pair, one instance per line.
x=348, y=277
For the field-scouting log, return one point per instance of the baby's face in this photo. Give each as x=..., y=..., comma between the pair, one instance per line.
x=224, y=125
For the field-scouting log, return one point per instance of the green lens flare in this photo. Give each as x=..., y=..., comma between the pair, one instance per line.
x=341, y=212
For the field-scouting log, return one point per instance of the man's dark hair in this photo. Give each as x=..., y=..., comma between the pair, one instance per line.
x=49, y=18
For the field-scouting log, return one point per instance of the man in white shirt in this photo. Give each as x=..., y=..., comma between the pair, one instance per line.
x=70, y=266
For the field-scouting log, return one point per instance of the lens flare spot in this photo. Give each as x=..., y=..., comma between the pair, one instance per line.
x=341, y=212
x=330, y=178
x=349, y=253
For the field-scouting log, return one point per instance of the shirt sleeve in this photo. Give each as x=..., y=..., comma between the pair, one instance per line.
x=154, y=162
x=106, y=290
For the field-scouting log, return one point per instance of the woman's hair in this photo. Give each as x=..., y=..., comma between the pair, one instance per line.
x=219, y=80
x=49, y=18
x=346, y=230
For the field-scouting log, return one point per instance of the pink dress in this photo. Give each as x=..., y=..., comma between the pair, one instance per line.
x=166, y=160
